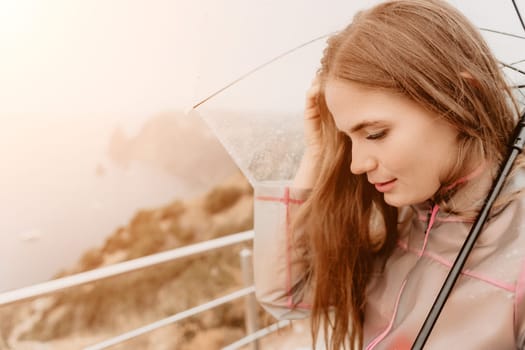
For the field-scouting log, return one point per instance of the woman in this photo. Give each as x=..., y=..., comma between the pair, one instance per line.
x=406, y=125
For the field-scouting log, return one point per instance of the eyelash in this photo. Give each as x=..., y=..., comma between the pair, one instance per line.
x=376, y=136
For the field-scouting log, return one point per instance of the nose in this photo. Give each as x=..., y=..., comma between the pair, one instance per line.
x=362, y=162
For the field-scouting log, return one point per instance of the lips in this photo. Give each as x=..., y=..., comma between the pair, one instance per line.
x=383, y=183
x=385, y=186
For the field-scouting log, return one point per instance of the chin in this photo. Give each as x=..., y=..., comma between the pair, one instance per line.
x=397, y=202
x=393, y=201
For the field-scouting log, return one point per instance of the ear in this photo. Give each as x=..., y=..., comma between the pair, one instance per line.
x=470, y=79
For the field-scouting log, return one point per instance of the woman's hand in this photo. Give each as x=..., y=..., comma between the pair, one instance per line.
x=312, y=118
x=309, y=167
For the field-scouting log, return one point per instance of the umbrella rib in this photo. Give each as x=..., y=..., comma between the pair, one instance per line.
x=518, y=87
x=502, y=33
x=518, y=13
x=513, y=63
x=260, y=67
x=509, y=66
x=242, y=77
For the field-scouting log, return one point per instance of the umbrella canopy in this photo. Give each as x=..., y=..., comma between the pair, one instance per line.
x=257, y=115
x=258, y=122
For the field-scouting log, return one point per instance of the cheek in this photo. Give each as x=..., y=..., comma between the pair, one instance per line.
x=402, y=156
x=413, y=162
x=444, y=156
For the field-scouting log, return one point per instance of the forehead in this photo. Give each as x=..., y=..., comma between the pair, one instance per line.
x=352, y=103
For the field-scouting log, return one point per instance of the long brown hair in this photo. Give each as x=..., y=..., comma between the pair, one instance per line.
x=428, y=51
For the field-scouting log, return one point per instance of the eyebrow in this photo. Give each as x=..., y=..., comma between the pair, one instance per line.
x=365, y=124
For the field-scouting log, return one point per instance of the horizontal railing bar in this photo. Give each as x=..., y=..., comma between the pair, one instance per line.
x=175, y=318
x=121, y=268
x=257, y=335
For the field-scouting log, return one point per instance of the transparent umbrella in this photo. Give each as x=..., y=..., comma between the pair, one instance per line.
x=258, y=122
x=258, y=114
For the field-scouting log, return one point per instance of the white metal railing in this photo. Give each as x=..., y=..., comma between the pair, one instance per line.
x=137, y=264
x=174, y=318
x=250, y=338
x=120, y=268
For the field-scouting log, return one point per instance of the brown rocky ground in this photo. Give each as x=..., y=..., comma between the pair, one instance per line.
x=91, y=313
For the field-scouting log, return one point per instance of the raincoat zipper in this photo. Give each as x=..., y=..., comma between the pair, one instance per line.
x=432, y=213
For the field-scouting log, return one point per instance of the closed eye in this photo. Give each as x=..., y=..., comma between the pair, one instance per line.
x=376, y=136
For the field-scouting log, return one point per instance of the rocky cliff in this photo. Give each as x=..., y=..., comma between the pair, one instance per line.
x=87, y=314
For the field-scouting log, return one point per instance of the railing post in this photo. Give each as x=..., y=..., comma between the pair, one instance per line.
x=250, y=313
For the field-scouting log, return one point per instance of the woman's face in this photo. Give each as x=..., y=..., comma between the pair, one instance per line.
x=404, y=149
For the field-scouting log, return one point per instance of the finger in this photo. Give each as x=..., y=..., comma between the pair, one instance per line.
x=312, y=93
x=312, y=114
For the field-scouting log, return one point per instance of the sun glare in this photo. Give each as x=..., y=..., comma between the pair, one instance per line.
x=17, y=17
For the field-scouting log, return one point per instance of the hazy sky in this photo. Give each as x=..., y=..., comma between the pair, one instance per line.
x=89, y=59
x=126, y=58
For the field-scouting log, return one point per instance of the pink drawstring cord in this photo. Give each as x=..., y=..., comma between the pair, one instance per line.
x=435, y=210
x=468, y=177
